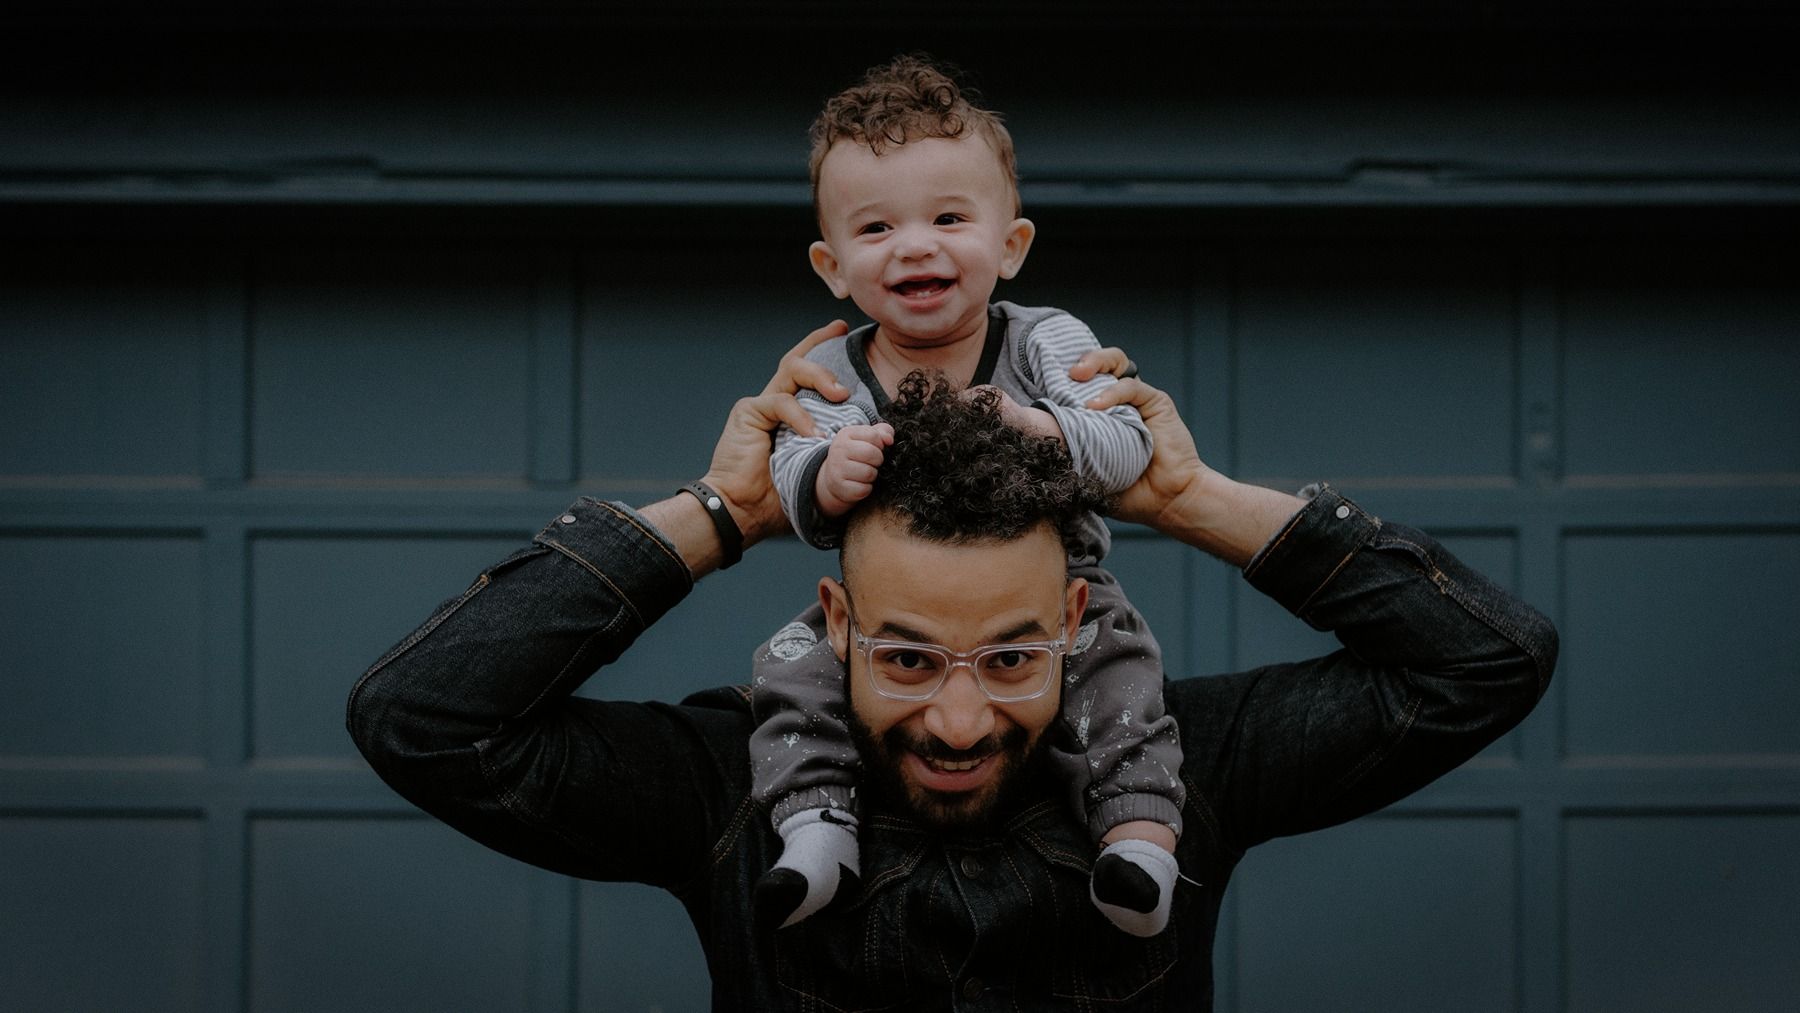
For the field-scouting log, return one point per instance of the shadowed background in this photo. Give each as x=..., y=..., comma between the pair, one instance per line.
x=308, y=313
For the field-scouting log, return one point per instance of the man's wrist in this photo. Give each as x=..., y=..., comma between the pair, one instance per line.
x=731, y=535
x=1227, y=518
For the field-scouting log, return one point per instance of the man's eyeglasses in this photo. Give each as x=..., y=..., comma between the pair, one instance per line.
x=1007, y=673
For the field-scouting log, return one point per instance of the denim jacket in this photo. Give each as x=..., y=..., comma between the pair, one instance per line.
x=471, y=718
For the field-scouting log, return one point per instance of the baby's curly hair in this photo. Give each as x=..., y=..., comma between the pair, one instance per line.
x=956, y=473
x=910, y=98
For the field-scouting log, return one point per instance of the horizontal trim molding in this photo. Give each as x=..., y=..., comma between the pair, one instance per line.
x=1363, y=190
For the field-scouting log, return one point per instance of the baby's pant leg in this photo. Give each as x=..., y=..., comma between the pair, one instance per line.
x=1120, y=750
x=801, y=753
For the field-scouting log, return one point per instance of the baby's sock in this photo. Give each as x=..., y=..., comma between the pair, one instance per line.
x=1132, y=884
x=819, y=863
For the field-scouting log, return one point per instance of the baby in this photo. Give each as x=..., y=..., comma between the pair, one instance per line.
x=917, y=199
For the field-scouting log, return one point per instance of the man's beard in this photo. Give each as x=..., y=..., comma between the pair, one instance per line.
x=1013, y=750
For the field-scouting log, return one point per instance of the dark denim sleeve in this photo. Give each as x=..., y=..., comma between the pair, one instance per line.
x=1437, y=663
x=470, y=716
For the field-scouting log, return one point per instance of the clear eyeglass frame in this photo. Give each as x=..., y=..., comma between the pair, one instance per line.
x=868, y=645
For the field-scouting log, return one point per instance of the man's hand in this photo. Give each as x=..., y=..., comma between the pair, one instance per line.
x=1111, y=359
x=848, y=474
x=796, y=372
x=739, y=471
x=1175, y=472
x=740, y=464
x=1182, y=497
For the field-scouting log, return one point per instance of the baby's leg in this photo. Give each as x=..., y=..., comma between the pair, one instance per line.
x=1123, y=760
x=802, y=761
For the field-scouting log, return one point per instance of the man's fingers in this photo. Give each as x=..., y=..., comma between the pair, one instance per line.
x=1131, y=391
x=1101, y=360
x=796, y=371
x=783, y=408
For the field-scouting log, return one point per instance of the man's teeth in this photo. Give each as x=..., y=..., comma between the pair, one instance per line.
x=955, y=765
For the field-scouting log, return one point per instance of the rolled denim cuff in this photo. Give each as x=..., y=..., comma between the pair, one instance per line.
x=625, y=552
x=1137, y=806
x=1316, y=543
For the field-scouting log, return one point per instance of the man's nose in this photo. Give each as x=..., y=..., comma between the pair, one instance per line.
x=960, y=714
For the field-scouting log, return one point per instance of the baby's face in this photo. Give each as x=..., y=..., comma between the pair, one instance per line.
x=918, y=235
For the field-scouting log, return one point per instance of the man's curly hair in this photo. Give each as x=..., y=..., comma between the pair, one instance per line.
x=956, y=473
x=910, y=98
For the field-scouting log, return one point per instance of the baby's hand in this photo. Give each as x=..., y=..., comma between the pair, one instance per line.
x=1035, y=421
x=848, y=474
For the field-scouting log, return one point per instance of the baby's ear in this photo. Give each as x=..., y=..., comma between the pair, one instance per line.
x=1018, y=243
x=825, y=265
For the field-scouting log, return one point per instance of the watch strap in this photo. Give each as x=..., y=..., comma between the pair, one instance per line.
x=731, y=537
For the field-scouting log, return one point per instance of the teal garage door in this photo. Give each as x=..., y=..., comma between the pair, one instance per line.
x=300, y=332
x=233, y=477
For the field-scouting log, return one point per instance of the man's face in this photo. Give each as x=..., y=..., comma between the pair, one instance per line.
x=918, y=235
x=953, y=755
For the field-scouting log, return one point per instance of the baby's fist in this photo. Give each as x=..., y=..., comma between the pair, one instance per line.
x=848, y=474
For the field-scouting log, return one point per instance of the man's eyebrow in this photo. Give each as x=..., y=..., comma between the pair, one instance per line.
x=899, y=631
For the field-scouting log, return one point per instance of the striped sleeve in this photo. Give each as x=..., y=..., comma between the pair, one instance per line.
x=1112, y=447
x=794, y=466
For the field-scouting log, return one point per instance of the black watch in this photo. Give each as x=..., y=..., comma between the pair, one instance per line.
x=731, y=537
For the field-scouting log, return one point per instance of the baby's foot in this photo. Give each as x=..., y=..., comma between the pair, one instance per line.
x=818, y=864
x=1132, y=884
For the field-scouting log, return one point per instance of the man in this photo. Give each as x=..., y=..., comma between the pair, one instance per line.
x=974, y=875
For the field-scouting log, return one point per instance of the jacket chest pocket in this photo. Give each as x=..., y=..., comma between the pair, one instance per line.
x=1094, y=965
x=853, y=961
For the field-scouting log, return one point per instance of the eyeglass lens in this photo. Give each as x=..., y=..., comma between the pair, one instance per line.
x=1006, y=673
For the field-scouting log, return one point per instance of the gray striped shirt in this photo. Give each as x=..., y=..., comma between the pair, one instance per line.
x=1028, y=354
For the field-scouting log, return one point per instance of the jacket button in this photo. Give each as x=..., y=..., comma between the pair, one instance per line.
x=1343, y=512
x=567, y=518
x=971, y=866
x=972, y=989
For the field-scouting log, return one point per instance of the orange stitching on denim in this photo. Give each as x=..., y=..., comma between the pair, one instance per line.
x=655, y=539
x=624, y=599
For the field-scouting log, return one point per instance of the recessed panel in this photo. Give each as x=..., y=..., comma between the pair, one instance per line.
x=391, y=362
x=103, y=365
x=324, y=609
x=1381, y=914
x=1682, y=362
x=1681, y=645
x=666, y=349
x=1375, y=362
x=102, y=914
x=106, y=631
x=380, y=915
x=638, y=952
x=1679, y=913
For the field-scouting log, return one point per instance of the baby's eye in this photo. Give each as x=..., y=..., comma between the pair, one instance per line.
x=872, y=228
x=950, y=218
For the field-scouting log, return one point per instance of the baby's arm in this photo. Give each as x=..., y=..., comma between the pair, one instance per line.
x=797, y=462
x=1112, y=447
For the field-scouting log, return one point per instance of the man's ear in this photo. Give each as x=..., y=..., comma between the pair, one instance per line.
x=1075, y=599
x=1018, y=243
x=836, y=603
x=825, y=265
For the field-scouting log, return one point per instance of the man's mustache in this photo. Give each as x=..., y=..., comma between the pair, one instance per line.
x=933, y=748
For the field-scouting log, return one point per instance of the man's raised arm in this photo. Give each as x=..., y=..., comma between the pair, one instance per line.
x=1438, y=661
x=471, y=716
